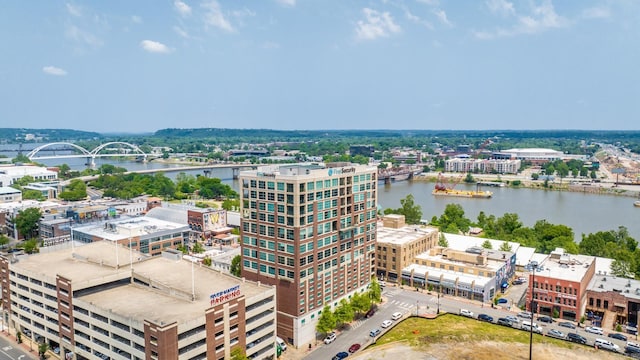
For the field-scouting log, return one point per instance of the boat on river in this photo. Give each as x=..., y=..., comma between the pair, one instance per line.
x=636, y=203
x=462, y=193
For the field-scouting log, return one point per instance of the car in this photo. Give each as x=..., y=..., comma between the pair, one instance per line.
x=374, y=332
x=353, y=348
x=512, y=318
x=370, y=313
x=395, y=316
x=545, y=319
x=341, y=355
x=382, y=284
x=556, y=334
x=385, y=324
x=618, y=336
x=330, y=338
x=467, y=313
x=594, y=330
x=527, y=326
x=525, y=315
x=573, y=337
x=632, y=348
x=517, y=282
x=503, y=301
x=485, y=317
x=504, y=322
x=606, y=345
x=567, y=324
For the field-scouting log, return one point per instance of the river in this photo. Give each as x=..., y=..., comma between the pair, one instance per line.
x=584, y=213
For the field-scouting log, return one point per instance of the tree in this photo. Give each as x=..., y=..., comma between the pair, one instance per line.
x=42, y=349
x=360, y=302
x=487, y=244
x=535, y=176
x=197, y=248
x=453, y=220
x=30, y=246
x=77, y=190
x=412, y=212
x=4, y=240
x=505, y=246
x=28, y=194
x=327, y=321
x=21, y=158
x=469, y=178
x=231, y=204
x=344, y=312
x=238, y=354
x=375, y=292
x=27, y=221
x=442, y=241
x=236, y=266
x=206, y=261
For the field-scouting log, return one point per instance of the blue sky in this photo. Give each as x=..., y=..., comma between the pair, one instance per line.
x=144, y=65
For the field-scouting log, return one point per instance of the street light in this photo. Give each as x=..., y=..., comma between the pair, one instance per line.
x=438, y=310
x=534, y=267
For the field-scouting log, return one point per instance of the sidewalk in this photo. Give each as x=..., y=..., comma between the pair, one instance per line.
x=26, y=345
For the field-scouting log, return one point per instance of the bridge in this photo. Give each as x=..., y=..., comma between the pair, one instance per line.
x=91, y=155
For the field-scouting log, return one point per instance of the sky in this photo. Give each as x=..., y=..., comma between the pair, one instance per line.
x=144, y=65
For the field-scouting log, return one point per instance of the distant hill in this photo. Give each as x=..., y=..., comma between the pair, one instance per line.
x=14, y=135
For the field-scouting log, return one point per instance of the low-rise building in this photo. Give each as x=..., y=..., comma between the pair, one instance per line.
x=9, y=174
x=9, y=194
x=103, y=302
x=398, y=244
x=615, y=299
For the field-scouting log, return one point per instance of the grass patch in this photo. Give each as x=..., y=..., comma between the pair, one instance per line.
x=448, y=328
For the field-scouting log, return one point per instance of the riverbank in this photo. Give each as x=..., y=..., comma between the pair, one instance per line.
x=601, y=188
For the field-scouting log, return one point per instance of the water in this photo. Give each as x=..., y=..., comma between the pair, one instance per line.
x=584, y=213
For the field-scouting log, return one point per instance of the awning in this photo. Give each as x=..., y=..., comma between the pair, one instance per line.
x=619, y=305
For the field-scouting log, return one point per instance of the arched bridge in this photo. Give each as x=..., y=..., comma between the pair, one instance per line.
x=123, y=149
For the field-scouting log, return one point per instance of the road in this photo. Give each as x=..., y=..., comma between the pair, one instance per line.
x=409, y=302
x=9, y=350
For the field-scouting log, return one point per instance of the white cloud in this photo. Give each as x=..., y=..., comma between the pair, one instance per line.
x=73, y=10
x=376, y=25
x=182, y=8
x=52, y=70
x=541, y=18
x=416, y=19
x=442, y=16
x=154, y=47
x=290, y=3
x=74, y=33
x=501, y=7
x=180, y=31
x=136, y=19
x=215, y=17
x=596, y=13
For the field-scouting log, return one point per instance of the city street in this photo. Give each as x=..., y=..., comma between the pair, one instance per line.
x=9, y=350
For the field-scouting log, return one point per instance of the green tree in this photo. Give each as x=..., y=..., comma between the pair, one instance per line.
x=25, y=180
x=30, y=246
x=27, y=221
x=238, y=353
x=360, y=302
x=206, y=261
x=231, y=204
x=64, y=171
x=21, y=158
x=28, y=194
x=412, y=212
x=197, y=248
x=375, y=292
x=42, y=349
x=4, y=241
x=77, y=190
x=487, y=244
x=535, y=176
x=442, y=241
x=236, y=266
x=453, y=220
x=505, y=246
x=344, y=313
x=326, y=322
x=469, y=179
x=562, y=170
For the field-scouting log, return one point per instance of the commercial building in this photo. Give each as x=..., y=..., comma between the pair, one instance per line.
x=560, y=286
x=104, y=301
x=615, y=299
x=482, y=165
x=9, y=174
x=146, y=234
x=310, y=230
x=205, y=224
x=533, y=155
x=9, y=194
x=399, y=243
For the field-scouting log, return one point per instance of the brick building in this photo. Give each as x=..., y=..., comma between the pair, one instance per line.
x=615, y=299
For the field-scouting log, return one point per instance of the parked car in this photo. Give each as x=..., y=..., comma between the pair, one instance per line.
x=528, y=326
x=503, y=301
x=385, y=324
x=353, y=348
x=513, y=319
x=370, y=313
x=567, y=324
x=374, y=332
x=573, y=337
x=606, y=345
x=330, y=338
x=504, y=322
x=485, y=317
x=632, y=349
x=525, y=315
x=545, y=319
x=395, y=316
x=618, y=336
x=467, y=313
x=594, y=330
x=556, y=334
x=517, y=282
x=341, y=355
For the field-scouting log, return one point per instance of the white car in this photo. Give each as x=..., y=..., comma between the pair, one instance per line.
x=467, y=313
x=386, y=324
x=594, y=330
x=330, y=338
x=395, y=316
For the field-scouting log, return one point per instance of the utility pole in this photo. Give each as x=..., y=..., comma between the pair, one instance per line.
x=534, y=267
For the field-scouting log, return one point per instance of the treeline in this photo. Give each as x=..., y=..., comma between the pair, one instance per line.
x=545, y=237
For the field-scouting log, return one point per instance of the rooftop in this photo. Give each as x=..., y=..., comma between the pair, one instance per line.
x=630, y=288
x=564, y=266
x=402, y=235
x=124, y=228
x=6, y=190
x=311, y=170
x=491, y=264
x=94, y=264
x=480, y=281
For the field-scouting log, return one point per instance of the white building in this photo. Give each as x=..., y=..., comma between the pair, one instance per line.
x=10, y=174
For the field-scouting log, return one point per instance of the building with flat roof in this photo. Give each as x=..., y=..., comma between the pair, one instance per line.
x=104, y=301
x=615, y=299
x=145, y=234
x=560, y=286
x=534, y=155
x=398, y=244
x=498, y=166
x=9, y=174
x=310, y=230
x=9, y=194
x=457, y=283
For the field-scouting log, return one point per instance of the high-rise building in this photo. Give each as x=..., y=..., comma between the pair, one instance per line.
x=310, y=230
